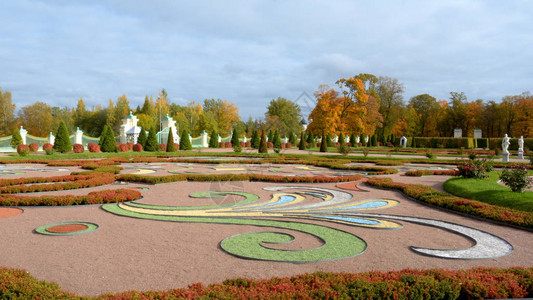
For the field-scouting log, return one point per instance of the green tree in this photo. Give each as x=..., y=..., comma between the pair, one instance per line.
x=235, y=137
x=288, y=114
x=107, y=140
x=329, y=142
x=292, y=138
x=262, y=143
x=142, y=138
x=37, y=118
x=185, y=142
x=352, y=140
x=276, y=140
x=373, y=141
x=151, y=141
x=426, y=108
x=7, y=112
x=270, y=135
x=170, y=141
x=16, y=138
x=213, y=139
x=301, y=145
x=362, y=140
x=62, y=141
x=341, y=139
x=324, y=143
x=255, y=139
x=390, y=93
x=311, y=140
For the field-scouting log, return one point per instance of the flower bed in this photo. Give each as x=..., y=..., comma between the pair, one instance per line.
x=235, y=177
x=430, y=172
x=100, y=197
x=69, y=182
x=471, y=207
x=473, y=283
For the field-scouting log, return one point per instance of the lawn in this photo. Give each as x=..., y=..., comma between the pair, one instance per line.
x=489, y=191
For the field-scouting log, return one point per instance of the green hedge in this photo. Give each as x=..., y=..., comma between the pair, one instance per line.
x=481, y=143
x=444, y=142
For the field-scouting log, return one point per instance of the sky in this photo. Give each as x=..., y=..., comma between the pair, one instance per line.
x=250, y=52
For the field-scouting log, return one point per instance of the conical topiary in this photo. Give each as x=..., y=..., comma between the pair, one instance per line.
x=374, y=141
x=362, y=139
x=107, y=140
x=142, y=138
x=292, y=138
x=301, y=145
x=329, y=142
x=151, y=141
x=270, y=135
x=235, y=137
x=171, y=147
x=185, y=142
x=213, y=139
x=263, y=144
x=277, y=141
x=311, y=140
x=16, y=138
x=62, y=142
x=352, y=140
x=341, y=139
x=324, y=143
x=255, y=139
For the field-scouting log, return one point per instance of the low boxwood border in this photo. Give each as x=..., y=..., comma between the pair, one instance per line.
x=475, y=208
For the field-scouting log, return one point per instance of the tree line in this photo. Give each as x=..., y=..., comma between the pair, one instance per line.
x=362, y=105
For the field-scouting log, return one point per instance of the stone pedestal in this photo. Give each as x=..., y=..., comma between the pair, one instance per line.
x=204, y=139
x=505, y=157
x=520, y=155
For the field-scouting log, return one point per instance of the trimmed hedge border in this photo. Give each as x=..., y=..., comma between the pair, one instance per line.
x=418, y=173
x=99, y=197
x=476, y=283
x=235, y=177
x=471, y=207
x=68, y=182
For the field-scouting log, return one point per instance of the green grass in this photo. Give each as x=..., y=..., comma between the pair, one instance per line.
x=489, y=191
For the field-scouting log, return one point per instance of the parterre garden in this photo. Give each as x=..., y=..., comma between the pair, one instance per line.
x=309, y=194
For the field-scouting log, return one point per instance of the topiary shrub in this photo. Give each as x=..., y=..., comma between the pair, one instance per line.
x=228, y=145
x=93, y=148
x=262, y=144
x=237, y=148
x=78, y=148
x=107, y=140
x=62, y=142
x=137, y=148
x=23, y=150
x=34, y=147
x=213, y=139
x=163, y=147
x=324, y=143
x=123, y=147
x=301, y=145
x=47, y=146
x=255, y=139
x=222, y=145
x=16, y=138
x=276, y=142
x=169, y=147
x=288, y=145
x=185, y=142
x=142, y=137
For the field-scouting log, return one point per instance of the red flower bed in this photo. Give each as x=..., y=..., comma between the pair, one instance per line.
x=100, y=197
x=430, y=172
x=69, y=182
x=472, y=207
x=78, y=148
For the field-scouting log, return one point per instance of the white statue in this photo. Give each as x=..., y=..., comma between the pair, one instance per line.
x=505, y=144
x=521, y=144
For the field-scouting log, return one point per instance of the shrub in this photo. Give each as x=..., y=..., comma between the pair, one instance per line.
x=288, y=145
x=16, y=138
x=137, y=148
x=270, y=145
x=23, y=150
x=123, y=147
x=130, y=146
x=365, y=152
x=213, y=139
x=185, y=141
x=107, y=141
x=262, y=143
x=237, y=148
x=235, y=137
x=169, y=147
x=472, y=155
x=62, y=142
x=474, y=168
x=248, y=144
x=430, y=154
x=344, y=149
x=516, y=177
x=49, y=151
x=162, y=147
x=47, y=146
x=301, y=144
x=78, y=148
x=142, y=137
x=228, y=145
x=221, y=145
x=323, y=144
x=151, y=144
x=255, y=139
x=93, y=148
x=34, y=147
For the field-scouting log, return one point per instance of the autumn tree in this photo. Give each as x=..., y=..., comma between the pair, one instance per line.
x=37, y=119
x=288, y=115
x=7, y=113
x=224, y=113
x=426, y=108
x=390, y=93
x=325, y=117
x=523, y=125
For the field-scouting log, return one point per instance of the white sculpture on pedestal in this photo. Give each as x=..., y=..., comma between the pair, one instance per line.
x=521, y=148
x=505, y=147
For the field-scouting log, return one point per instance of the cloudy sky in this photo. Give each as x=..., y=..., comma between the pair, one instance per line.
x=249, y=52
